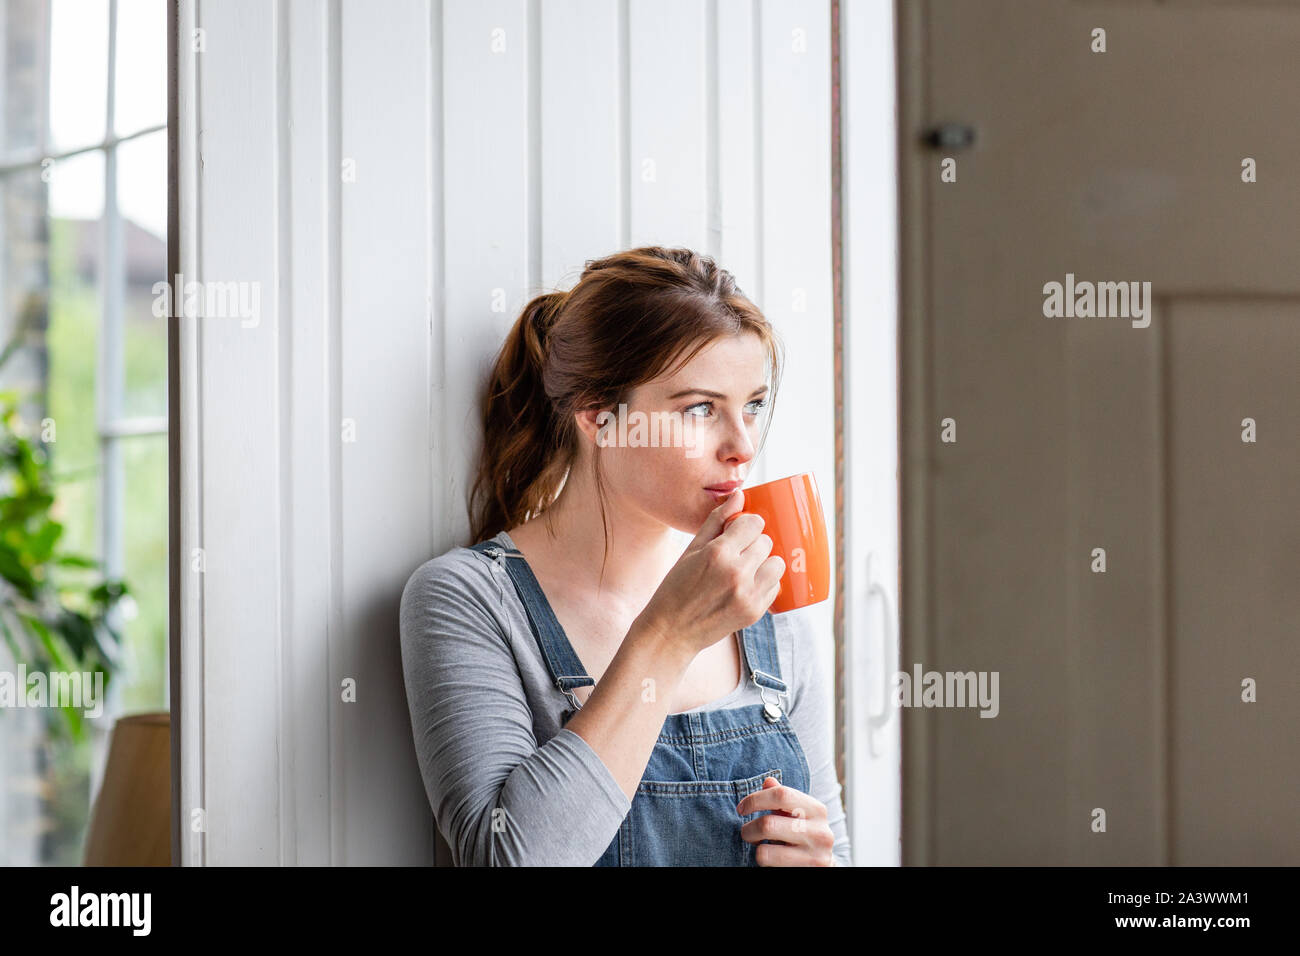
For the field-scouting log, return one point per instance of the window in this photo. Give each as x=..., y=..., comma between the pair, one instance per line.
x=83, y=214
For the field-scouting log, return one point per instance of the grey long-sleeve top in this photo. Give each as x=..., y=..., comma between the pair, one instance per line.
x=486, y=722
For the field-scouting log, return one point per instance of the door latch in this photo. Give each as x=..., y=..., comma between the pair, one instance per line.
x=949, y=136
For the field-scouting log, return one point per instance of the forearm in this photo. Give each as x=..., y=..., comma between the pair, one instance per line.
x=622, y=718
x=557, y=807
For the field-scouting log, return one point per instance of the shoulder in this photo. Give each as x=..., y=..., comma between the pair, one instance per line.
x=462, y=568
x=457, y=584
x=790, y=625
x=797, y=634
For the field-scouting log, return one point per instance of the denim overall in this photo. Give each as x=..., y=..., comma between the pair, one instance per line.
x=703, y=764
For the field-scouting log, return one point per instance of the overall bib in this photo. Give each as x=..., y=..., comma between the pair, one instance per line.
x=684, y=811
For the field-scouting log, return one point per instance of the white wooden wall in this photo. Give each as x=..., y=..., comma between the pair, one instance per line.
x=382, y=170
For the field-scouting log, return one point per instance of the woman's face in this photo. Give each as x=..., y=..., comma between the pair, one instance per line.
x=699, y=427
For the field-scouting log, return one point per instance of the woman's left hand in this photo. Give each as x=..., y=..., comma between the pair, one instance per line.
x=797, y=822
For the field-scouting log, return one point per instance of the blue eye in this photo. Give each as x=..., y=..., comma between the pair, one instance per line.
x=761, y=403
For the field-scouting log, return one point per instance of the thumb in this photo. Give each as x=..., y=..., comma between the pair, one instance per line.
x=718, y=517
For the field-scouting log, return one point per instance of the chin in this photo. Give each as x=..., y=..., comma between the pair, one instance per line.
x=688, y=515
x=690, y=524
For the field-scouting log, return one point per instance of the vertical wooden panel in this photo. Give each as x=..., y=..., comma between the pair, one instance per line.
x=1114, y=621
x=577, y=95
x=997, y=526
x=309, y=184
x=185, y=638
x=737, y=139
x=240, y=434
x=666, y=120
x=870, y=369
x=384, y=391
x=485, y=110
x=794, y=189
x=1234, y=556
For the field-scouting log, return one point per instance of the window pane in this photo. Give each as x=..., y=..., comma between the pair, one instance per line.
x=50, y=278
x=142, y=198
x=72, y=342
x=24, y=75
x=144, y=685
x=76, y=237
x=75, y=277
x=24, y=303
x=142, y=183
x=21, y=782
x=78, y=73
x=77, y=186
x=141, y=66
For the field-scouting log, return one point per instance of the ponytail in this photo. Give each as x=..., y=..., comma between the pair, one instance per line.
x=521, y=466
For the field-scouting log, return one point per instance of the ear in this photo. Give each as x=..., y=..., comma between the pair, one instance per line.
x=595, y=422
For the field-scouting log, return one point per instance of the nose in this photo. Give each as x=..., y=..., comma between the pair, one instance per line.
x=737, y=447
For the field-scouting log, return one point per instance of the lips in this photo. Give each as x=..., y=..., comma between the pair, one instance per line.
x=726, y=486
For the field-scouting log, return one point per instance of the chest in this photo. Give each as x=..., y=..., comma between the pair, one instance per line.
x=596, y=638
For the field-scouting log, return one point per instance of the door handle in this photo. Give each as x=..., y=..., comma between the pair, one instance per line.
x=949, y=136
x=878, y=721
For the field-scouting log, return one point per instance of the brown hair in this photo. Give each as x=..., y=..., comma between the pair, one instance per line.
x=621, y=325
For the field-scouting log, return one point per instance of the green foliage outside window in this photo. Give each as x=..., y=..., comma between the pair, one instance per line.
x=49, y=623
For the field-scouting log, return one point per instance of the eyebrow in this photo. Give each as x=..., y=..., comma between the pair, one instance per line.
x=704, y=391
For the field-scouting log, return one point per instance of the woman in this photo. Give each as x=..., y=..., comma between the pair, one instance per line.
x=581, y=690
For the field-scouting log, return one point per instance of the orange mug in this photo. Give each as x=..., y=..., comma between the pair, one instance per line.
x=791, y=510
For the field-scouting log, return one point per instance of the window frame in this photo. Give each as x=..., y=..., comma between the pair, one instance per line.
x=112, y=427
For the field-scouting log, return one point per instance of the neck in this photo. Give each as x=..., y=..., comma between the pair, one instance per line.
x=641, y=548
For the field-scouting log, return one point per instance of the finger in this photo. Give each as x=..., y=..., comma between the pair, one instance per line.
x=777, y=796
x=774, y=854
x=756, y=553
x=739, y=494
x=741, y=533
x=713, y=525
x=793, y=831
x=770, y=572
x=762, y=568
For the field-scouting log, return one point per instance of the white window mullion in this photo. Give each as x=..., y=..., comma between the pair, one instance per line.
x=109, y=392
x=110, y=337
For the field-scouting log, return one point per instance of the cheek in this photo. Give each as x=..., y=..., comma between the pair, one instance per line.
x=642, y=471
x=664, y=466
x=657, y=470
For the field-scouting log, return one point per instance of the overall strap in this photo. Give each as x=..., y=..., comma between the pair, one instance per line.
x=761, y=655
x=764, y=663
x=565, y=669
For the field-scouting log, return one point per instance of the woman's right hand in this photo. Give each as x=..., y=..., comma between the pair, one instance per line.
x=725, y=580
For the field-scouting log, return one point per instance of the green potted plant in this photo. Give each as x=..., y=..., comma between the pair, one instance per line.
x=50, y=624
